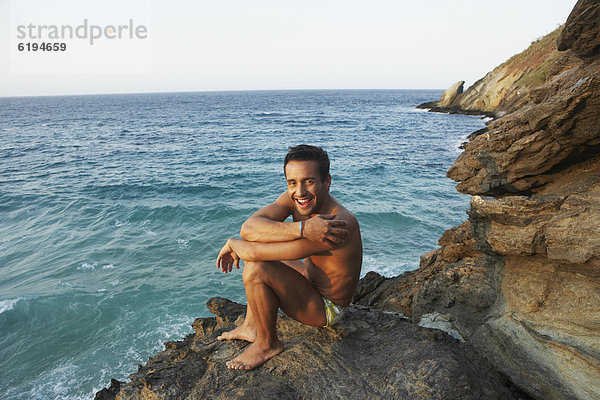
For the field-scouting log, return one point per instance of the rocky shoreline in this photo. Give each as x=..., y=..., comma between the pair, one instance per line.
x=516, y=287
x=372, y=354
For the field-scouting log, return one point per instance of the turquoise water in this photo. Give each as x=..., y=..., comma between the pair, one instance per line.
x=113, y=209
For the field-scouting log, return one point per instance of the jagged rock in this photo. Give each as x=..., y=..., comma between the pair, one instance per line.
x=449, y=95
x=582, y=30
x=111, y=392
x=538, y=236
x=371, y=354
x=452, y=280
x=514, y=225
x=525, y=299
x=545, y=333
x=523, y=151
x=441, y=322
x=508, y=86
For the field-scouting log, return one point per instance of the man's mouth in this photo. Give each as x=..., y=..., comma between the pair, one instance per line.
x=303, y=202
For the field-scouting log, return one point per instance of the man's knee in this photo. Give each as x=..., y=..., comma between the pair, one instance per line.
x=254, y=271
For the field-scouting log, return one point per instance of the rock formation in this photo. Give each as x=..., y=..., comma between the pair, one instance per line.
x=505, y=89
x=582, y=35
x=517, y=285
x=522, y=284
x=370, y=355
x=451, y=94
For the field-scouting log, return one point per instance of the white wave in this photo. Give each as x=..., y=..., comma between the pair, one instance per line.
x=87, y=267
x=7, y=305
x=384, y=268
x=121, y=223
x=183, y=243
x=413, y=109
x=56, y=382
x=108, y=266
x=149, y=232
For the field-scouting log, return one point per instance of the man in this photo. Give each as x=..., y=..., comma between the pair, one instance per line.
x=309, y=268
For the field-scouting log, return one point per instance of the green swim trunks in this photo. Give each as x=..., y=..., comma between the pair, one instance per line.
x=333, y=312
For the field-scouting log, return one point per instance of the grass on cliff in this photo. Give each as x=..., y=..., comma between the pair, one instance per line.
x=536, y=60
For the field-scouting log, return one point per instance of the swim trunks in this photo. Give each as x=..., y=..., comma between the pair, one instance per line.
x=333, y=312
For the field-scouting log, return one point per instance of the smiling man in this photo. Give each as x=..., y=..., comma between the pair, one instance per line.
x=309, y=267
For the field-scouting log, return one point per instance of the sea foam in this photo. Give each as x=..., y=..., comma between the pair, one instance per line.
x=7, y=305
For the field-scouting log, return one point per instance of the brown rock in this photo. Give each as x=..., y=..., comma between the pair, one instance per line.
x=508, y=86
x=450, y=281
x=522, y=151
x=546, y=336
x=539, y=236
x=450, y=95
x=514, y=225
x=371, y=354
x=582, y=30
x=573, y=234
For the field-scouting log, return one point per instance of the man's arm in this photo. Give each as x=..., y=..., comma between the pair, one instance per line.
x=261, y=251
x=266, y=225
x=239, y=249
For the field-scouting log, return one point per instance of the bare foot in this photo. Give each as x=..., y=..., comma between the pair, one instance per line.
x=254, y=356
x=241, y=332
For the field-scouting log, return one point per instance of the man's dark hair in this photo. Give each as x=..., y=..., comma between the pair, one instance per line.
x=305, y=152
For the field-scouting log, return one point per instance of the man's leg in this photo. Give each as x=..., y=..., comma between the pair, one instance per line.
x=247, y=331
x=269, y=286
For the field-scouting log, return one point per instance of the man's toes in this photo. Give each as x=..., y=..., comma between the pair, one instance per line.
x=233, y=364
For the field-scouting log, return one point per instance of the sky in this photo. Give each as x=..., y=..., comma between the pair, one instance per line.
x=198, y=45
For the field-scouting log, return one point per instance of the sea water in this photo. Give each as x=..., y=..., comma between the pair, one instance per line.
x=113, y=209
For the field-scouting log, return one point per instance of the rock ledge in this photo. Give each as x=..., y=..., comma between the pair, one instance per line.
x=371, y=354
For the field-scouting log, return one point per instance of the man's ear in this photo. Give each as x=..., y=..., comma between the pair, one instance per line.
x=328, y=181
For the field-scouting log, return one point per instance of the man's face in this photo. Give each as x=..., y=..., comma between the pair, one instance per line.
x=305, y=187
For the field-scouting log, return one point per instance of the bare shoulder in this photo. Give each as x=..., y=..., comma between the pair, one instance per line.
x=284, y=200
x=279, y=210
x=342, y=212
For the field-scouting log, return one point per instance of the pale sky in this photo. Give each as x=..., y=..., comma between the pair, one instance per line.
x=252, y=45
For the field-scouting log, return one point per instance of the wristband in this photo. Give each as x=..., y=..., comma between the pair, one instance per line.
x=301, y=229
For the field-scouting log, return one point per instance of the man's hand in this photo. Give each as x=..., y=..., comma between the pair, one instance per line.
x=324, y=228
x=227, y=258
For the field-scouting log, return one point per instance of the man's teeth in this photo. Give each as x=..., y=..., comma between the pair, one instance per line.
x=302, y=201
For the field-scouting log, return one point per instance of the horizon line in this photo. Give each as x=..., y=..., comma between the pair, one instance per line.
x=211, y=91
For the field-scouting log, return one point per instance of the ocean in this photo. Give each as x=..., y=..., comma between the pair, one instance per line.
x=113, y=209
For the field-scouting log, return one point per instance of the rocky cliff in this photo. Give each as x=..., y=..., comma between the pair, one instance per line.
x=517, y=286
x=504, y=89
x=520, y=281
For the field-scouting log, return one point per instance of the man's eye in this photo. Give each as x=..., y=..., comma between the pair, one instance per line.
x=310, y=182
x=291, y=183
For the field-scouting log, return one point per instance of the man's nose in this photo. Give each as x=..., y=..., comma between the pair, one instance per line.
x=302, y=189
